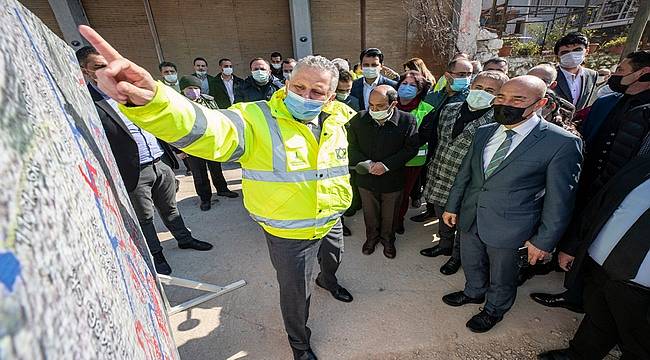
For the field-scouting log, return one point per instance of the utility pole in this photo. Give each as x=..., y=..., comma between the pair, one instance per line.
x=637, y=28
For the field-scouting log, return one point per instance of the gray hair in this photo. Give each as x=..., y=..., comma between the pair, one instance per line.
x=546, y=72
x=341, y=64
x=494, y=75
x=319, y=63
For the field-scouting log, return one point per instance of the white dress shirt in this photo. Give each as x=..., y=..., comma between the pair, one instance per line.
x=367, y=89
x=229, y=88
x=521, y=131
x=574, y=82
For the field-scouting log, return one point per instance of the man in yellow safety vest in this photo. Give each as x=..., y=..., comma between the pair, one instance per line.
x=293, y=153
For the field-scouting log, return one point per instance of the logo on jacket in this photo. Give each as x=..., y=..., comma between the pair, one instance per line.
x=341, y=153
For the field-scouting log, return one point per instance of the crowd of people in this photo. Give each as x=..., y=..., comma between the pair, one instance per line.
x=526, y=175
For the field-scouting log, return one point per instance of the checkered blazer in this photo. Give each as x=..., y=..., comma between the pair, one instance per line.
x=442, y=170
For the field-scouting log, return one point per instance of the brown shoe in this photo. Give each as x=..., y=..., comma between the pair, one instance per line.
x=389, y=250
x=368, y=247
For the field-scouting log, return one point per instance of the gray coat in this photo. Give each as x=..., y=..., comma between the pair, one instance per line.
x=587, y=93
x=530, y=196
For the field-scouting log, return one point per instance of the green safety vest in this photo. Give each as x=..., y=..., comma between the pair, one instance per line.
x=420, y=112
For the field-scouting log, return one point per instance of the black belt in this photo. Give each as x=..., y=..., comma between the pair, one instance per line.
x=151, y=162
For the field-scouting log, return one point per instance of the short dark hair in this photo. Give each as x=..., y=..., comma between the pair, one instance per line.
x=288, y=61
x=276, y=54
x=167, y=64
x=391, y=94
x=639, y=59
x=200, y=58
x=345, y=76
x=572, y=38
x=372, y=52
x=258, y=58
x=222, y=60
x=83, y=54
x=495, y=60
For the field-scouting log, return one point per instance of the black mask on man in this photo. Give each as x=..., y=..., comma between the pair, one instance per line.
x=508, y=115
x=614, y=83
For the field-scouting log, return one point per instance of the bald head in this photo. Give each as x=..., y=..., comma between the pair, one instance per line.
x=546, y=72
x=382, y=97
x=525, y=92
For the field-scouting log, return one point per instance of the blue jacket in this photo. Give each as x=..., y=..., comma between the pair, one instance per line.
x=357, y=88
x=530, y=196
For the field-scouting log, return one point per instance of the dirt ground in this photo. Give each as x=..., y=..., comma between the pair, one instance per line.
x=397, y=312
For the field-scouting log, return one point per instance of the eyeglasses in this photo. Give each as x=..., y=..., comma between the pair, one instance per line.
x=461, y=74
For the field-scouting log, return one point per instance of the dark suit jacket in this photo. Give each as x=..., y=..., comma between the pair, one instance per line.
x=123, y=147
x=587, y=93
x=394, y=144
x=530, y=196
x=220, y=92
x=584, y=231
x=357, y=88
x=211, y=85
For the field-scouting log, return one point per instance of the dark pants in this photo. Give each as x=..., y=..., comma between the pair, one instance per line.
x=200, y=169
x=411, y=176
x=379, y=211
x=186, y=162
x=293, y=261
x=489, y=271
x=157, y=188
x=616, y=313
x=449, y=240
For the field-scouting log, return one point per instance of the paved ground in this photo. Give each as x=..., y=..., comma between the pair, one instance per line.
x=397, y=312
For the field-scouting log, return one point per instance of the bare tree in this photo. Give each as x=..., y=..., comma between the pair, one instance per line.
x=434, y=22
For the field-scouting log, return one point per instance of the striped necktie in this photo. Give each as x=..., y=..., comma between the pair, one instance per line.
x=500, y=155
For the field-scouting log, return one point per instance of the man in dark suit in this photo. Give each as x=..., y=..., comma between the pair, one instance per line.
x=226, y=85
x=260, y=85
x=381, y=141
x=515, y=189
x=372, y=61
x=575, y=83
x=201, y=72
x=610, y=251
x=145, y=164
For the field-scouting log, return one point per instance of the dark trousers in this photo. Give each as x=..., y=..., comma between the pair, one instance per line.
x=186, y=162
x=448, y=237
x=202, y=185
x=411, y=176
x=293, y=261
x=489, y=271
x=379, y=211
x=157, y=189
x=616, y=313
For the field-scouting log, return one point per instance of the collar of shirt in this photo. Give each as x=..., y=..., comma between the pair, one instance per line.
x=226, y=81
x=570, y=76
x=374, y=83
x=523, y=129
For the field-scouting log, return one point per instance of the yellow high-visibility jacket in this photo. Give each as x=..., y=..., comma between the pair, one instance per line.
x=294, y=186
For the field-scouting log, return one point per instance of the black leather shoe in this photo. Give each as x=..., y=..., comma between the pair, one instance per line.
x=304, y=354
x=482, y=322
x=160, y=263
x=340, y=293
x=435, y=251
x=346, y=231
x=205, y=205
x=556, y=300
x=400, y=229
x=196, y=245
x=425, y=216
x=368, y=247
x=450, y=267
x=561, y=354
x=389, y=250
x=459, y=299
x=228, y=194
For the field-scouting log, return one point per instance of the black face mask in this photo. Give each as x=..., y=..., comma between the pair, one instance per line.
x=508, y=115
x=614, y=82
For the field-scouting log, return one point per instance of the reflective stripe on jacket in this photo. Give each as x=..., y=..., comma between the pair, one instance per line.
x=293, y=186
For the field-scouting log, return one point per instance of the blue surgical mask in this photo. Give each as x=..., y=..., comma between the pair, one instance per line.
x=301, y=108
x=407, y=91
x=460, y=84
x=479, y=99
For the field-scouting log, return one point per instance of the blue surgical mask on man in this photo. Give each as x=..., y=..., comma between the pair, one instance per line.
x=407, y=91
x=479, y=99
x=460, y=84
x=301, y=108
